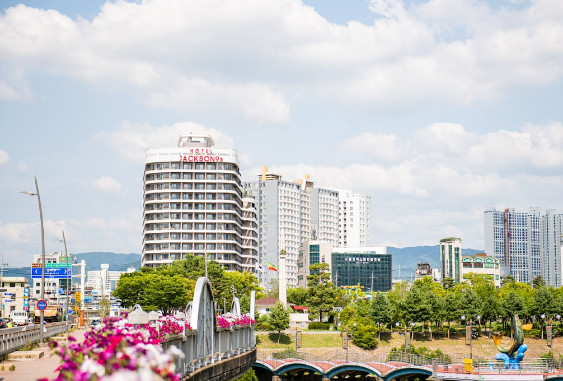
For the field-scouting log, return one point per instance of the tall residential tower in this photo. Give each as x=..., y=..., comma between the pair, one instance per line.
x=515, y=238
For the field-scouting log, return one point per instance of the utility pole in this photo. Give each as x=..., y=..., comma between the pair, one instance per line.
x=2, y=264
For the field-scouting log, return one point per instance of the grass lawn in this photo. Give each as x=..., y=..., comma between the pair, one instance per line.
x=317, y=340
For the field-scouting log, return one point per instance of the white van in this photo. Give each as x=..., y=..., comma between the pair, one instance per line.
x=19, y=317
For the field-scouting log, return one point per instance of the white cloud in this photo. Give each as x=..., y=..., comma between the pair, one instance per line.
x=4, y=157
x=107, y=184
x=130, y=140
x=254, y=58
x=438, y=180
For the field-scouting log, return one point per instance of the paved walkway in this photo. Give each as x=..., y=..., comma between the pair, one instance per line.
x=32, y=369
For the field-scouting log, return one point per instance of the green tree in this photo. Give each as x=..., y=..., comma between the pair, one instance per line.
x=538, y=282
x=380, y=311
x=321, y=291
x=448, y=283
x=512, y=304
x=105, y=306
x=248, y=376
x=396, y=297
x=507, y=279
x=469, y=305
x=131, y=287
x=364, y=336
x=167, y=293
x=297, y=296
x=416, y=306
x=279, y=318
x=450, y=308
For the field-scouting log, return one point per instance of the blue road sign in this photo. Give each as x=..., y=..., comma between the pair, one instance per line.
x=54, y=272
x=41, y=305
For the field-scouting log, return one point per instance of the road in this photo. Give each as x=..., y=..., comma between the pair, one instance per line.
x=35, y=368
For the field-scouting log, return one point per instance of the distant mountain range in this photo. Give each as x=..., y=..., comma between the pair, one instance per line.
x=116, y=262
x=405, y=258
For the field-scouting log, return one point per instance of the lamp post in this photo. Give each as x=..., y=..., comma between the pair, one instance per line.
x=67, y=283
x=543, y=316
x=42, y=316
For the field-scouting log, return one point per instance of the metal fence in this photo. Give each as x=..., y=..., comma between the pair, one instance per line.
x=226, y=344
x=342, y=355
x=12, y=339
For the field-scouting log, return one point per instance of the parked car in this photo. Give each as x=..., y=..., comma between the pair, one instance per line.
x=3, y=323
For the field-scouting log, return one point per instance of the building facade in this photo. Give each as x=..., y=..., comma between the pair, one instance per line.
x=450, y=258
x=515, y=239
x=370, y=267
x=354, y=219
x=482, y=264
x=104, y=281
x=14, y=295
x=193, y=203
x=311, y=252
x=551, y=243
x=325, y=216
x=423, y=269
x=284, y=222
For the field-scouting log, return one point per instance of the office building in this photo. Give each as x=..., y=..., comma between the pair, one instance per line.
x=515, y=239
x=354, y=219
x=14, y=295
x=482, y=264
x=450, y=258
x=370, y=267
x=193, y=203
x=551, y=243
x=104, y=281
x=311, y=252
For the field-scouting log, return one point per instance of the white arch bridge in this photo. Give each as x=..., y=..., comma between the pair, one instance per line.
x=211, y=352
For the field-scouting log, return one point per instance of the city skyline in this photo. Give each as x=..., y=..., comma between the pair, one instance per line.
x=437, y=110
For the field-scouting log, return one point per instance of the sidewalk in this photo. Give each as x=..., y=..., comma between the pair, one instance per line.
x=31, y=369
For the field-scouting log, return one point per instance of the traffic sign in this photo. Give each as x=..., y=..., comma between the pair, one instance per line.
x=55, y=272
x=8, y=294
x=41, y=305
x=58, y=265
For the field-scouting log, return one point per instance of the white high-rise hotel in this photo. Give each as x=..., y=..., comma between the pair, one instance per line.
x=527, y=243
x=193, y=203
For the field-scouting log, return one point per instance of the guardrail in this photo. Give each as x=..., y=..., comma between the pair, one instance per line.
x=12, y=339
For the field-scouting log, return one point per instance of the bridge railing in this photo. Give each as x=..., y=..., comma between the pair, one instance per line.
x=529, y=366
x=12, y=339
x=206, y=343
x=354, y=357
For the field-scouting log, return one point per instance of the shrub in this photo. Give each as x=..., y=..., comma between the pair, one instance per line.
x=12, y=368
x=263, y=326
x=317, y=325
x=365, y=336
x=288, y=354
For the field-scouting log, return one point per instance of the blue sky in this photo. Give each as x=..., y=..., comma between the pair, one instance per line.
x=437, y=109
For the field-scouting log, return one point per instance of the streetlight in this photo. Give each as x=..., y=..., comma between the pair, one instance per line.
x=42, y=318
x=543, y=316
x=67, y=283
